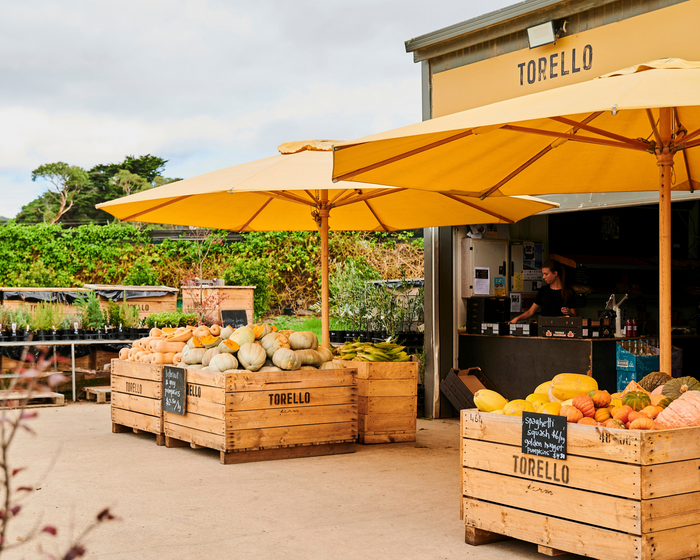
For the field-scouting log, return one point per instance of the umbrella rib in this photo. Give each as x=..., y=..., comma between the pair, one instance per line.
x=692, y=144
x=654, y=129
x=256, y=214
x=313, y=197
x=287, y=197
x=533, y=159
x=601, y=132
x=368, y=196
x=689, y=137
x=336, y=197
x=687, y=171
x=375, y=216
x=139, y=214
x=476, y=207
x=573, y=137
x=399, y=157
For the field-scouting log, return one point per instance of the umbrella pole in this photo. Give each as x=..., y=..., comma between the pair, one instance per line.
x=325, y=311
x=665, y=163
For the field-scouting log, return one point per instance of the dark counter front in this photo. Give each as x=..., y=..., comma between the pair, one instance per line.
x=516, y=365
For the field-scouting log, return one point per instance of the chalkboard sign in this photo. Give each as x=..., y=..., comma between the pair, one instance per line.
x=234, y=318
x=544, y=435
x=174, y=394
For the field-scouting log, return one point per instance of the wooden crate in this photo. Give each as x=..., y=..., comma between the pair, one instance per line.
x=136, y=398
x=267, y=415
x=387, y=397
x=148, y=305
x=627, y=495
x=31, y=304
x=231, y=298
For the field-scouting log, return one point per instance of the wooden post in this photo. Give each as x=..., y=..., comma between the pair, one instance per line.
x=325, y=310
x=665, y=163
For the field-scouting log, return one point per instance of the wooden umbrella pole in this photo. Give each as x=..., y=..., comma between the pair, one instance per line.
x=665, y=162
x=325, y=310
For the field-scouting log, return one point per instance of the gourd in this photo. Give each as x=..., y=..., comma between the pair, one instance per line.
x=273, y=342
x=252, y=356
x=242, y=335
x=307, y=367
x=587, y=421
x=622, y=413
x=309, y=357
x=180, y=335
x=331, y=365
x=210, y=341
x=683, y=412
x=615, y=424
x=215, y=330
x=193, y=355
x=222, y=362
x=573, y=414
x=226, y=332
x=660, y=401
x=517, y=407
x=269, y=368
x=601, y=415
x=263, y=331
x=636, y=399
x=601, y=399
x=651, y=411
x=286, y=359
x=302, y=340
x=155, y=331
x=568, y=385
x=633, y=387
x=585, y=404
x=162, y=358
x=166, y=346
x=208, y=355
x=488, y=401
x=550, y=408
x=228, y=346
x=676, y=387
x=653, y=380
x=177, y=358
x=543, y=388
x=642, y=423
x=326, y=354
x=123, y=354
x=537, y=399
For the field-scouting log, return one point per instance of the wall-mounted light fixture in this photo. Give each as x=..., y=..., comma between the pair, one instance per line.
x=542, y=34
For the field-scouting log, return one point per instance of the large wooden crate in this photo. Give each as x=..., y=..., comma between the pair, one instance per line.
x=387, y=396
x=627, y=495
x=30, y=297
x=136, y=397
x=267, y=415
x=139, y=295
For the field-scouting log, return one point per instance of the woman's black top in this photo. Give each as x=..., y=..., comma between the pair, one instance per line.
x=551, y=302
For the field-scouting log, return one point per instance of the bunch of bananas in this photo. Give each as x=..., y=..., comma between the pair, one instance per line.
x=368, y=352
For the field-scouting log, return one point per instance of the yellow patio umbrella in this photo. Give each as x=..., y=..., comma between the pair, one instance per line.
x=293, y=191
x=619, y=132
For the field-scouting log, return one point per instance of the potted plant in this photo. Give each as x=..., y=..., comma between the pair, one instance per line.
x=19, y=325
x=45, y=317
x=92, y=317
x=5, y=323
x=130, y=321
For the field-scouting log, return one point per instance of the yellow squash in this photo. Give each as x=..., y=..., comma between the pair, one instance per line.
x=566, y=386
x=488, y=401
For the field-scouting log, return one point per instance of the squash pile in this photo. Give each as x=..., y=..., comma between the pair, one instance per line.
x=255, y=347
x=657, y=402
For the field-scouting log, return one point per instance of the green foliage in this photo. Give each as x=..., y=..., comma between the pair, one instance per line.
x=67, y=182
x=21, y=316
x=171, y=319
x=350, y=294
x=39, y=275
x=91, y=314
x=142, y=272
x=251, y=272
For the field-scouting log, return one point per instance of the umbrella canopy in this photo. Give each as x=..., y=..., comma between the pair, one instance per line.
x=619, y=132
x=294, y=191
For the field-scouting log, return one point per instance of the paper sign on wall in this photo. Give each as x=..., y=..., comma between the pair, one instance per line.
x=518, y=282
x=482, y=283
x=515, y=303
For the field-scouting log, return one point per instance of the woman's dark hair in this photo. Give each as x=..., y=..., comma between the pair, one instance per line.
x=567, y=294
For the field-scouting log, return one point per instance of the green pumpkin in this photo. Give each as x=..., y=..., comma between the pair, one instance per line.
x=676, y=387
x=637, y=400
x=653, y=380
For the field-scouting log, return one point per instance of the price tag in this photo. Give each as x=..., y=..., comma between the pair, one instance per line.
x=544, y=435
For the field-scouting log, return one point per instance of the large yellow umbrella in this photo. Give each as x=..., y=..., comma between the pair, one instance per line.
x=619, y=132
x=293, y=191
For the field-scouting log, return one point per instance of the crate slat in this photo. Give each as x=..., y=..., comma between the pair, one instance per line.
x=140, y=387
x=295, y=416
x=136, y=397
x=292, y=435
x=152, y=424
x=387, y=405
x=288, y=380
x=133, y=403
x=387, y=387
x=671, y=512
x=257, y=400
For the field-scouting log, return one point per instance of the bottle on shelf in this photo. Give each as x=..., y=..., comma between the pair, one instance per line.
x=634, y=327
x=628, y=328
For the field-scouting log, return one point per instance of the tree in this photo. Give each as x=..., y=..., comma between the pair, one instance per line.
x=67, y=182
x=129, y=182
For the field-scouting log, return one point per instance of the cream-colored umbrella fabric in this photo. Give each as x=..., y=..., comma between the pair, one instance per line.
x=619, y=132
x=294, y=191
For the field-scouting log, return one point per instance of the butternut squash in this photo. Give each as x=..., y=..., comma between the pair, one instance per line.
x=165, y=346
x=162, y=357
x=155, y=331
x=123, y=353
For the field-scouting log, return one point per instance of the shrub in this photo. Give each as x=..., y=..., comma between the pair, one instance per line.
x=251, y=272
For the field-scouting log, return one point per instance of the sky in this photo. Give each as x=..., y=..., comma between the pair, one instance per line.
x=204, y=84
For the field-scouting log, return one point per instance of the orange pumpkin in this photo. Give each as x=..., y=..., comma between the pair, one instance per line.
x=652, y=411
x=622, y=413
x=642, y=424
x=601, y=415
x=632, y=416
x=587, y=421
x=585, y=404
x=601, y=399
x=615, y=424
x=572, y=413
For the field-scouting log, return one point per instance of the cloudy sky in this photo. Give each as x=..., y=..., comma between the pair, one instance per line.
x=204, y=84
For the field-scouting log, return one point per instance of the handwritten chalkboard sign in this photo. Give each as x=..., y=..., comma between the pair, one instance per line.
x=174, y=394
x=234, y=318
x=544, y=435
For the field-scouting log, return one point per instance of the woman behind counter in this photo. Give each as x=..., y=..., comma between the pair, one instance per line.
x=555, y=298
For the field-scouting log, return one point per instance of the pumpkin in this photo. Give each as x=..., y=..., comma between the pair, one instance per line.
x=180, y=335
x=273, y=342
x=676, y=387
x=622, y=413
x=222, y=362
x=252, y=356
x=309, y=357
x=208, y=355
x=331, y=365
x=633, y=387
x=573, y=414
x=286, y=359
x=201, y=331
x=303, y=340
x=601, y=415
x=326, y=354
x=660, y=401
x=552, y=408
x=568, y=385
x=658, y=391
x=307, y=367
x=264, y=331
x=226, y=332
x=585, y=404
x=242, y=335
x=211, y=341
x=488, y=401
x=642, y=423
x=193, y=356
x=683, y=412
x=601, y=399
x=636, y=399
x=653, y=380
x=196, y=342
x=215, y=330
x=177, y=358
x=651, y=411
x=586, y=421
x=269, y=368
x=632, y=416
x=228, y=346
x=614, y=424
x=517, y=407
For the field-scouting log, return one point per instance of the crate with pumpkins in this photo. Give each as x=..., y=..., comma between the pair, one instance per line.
x=252, y=393
x=628, y=488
